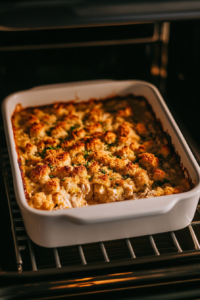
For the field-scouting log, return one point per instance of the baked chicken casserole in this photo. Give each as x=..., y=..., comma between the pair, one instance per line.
x=78, y=154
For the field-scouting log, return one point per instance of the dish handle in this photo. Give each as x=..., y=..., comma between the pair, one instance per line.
x=123, y=211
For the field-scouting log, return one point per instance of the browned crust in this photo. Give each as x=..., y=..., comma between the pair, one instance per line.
x=123, y=131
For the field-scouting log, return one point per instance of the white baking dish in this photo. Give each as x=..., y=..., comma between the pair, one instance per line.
x=105, y=221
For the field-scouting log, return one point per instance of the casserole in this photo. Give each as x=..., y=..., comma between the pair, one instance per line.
x=112, y=220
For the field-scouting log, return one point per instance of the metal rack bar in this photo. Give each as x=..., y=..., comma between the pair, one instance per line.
x=57, y=258
x=176, y=243
x=104, y=252
x=130, y=248
x=82, y=256
x=33, y=261
x=195, y=240
x=153, y=244
x=9, y=196
x=195, y=223
x=18, y=229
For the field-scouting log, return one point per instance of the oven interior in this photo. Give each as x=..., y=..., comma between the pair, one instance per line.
x=163, y=53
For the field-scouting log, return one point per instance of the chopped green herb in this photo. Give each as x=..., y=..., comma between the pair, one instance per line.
x=125, y=176
x=119, y=157
x=110, y=155
x=111, y=178
x=52, y=148
x=51, y=176
x=50, y=166
x=114, y=187
x=87, y=164
x=117, y=184
x=103, y=171
x=86, y=154
x=26, y=160
x=63, y=179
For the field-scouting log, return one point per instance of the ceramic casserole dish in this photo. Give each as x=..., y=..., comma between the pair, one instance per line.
x=111, y=220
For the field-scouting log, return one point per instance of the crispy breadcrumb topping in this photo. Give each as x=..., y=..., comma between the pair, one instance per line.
x=79, y=154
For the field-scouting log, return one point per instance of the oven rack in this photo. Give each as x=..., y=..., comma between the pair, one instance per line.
x=29, y=258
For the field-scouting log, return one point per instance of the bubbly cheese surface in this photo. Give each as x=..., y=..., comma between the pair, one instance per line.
x=79, y=154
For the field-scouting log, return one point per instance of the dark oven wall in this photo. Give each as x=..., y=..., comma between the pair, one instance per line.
x=137, y=51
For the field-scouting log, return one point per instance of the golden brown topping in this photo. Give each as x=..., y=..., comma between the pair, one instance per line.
x=52, y=186
x=131, y=169
x=47, y=142
x=51, y=160
x=67, y=144
x=102, y=157
x=110, y=137
x=60, y=109
x=61, y=172
x=80, y=171
x=60, y=159
x=94, y=144
x=134, y=145
x=94, y=167
x=165, y=151
x=41, y=201
x=30, y=148
x=141, y=178
x=141, y=129
x=148, y=160
x=78, y=134
x=38, y=112
x=94, y=115
x=101, y=179
x=97, y=134
x=149, y=145
x=125, y=152
x=72, y=119
x=140, y=149
x=59, y=131
x=125, y=113
x=49, y=119
x=63, y=157
x=37, y=130
x=159, y=175
x=124, y=141
x=78, y=159
x=93, y=152
x=94, y=127
x=77, y=148
x=40, y=173
x=32, y=119
x=124, y=130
